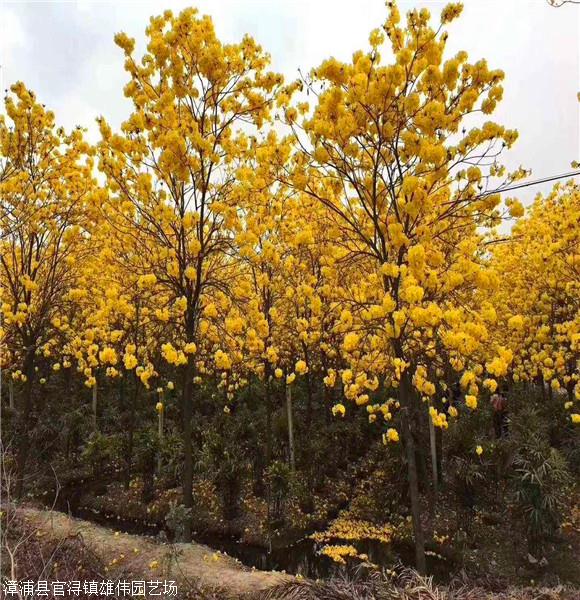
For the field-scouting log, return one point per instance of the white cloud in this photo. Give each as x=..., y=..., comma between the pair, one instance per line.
x=65, y=51
x=12, y=38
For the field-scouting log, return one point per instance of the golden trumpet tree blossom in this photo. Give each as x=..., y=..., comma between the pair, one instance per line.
x=395, y=152
x=171, y=172
x=45, y=219
x=538, y=303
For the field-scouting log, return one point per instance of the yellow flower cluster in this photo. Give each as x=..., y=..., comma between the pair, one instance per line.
x=172, y=355
x=391, y=435
x=438, y=419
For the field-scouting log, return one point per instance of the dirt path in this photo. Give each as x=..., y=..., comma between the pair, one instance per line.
x=150, y=559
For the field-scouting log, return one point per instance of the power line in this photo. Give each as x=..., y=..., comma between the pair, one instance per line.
x=529, y=183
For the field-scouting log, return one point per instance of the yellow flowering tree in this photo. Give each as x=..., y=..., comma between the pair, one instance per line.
x=117, y=323
x=263, y=249
x=45, y=219
x=171, y=171
x=388, y=152
x=537, y=304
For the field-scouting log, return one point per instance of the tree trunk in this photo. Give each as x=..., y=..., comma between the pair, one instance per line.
x=133, y=402
x=94, y=404
x=160, y=419
x=569, y=389
x=326, y=398
x=290, y=427
x=268, y=402
x=11, y=393
x=309, y=399
x=268, y=461
x=69, y=397
x=542, y=386
x=24, y=422
x=420, y=428
x=309, y=405
x=433, y=446
x=124, y=423
x=187, y=417
x=131, y=427
x=439, y=446
x=406, y=400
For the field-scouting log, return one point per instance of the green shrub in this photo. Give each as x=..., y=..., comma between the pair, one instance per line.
x=176, y=520
x=225, y=463
x=279, y=478
x=99, y=452
x=540, y=482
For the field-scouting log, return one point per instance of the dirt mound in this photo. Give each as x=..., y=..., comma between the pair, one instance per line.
x=131, y=556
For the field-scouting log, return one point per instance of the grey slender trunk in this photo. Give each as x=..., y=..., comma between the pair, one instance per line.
x=407, y=401
x=290, y=427
x=95, y=393
x=433, y=444
x=11, y=393
x=24, y=424
x=135, y=400
x=268, y=399
x=187, y=423
x=439, y=446
x=160, y=419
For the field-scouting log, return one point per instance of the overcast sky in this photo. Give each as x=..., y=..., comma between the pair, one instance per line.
x=65, y=52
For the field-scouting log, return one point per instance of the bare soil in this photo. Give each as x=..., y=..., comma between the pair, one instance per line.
x=147, y=558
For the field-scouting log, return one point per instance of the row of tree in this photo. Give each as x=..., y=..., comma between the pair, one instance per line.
x=341, y=229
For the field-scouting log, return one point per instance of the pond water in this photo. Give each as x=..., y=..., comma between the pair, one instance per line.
x=301, y=557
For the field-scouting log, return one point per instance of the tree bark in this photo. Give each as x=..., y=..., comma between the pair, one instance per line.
x=439, y=446
x=124, y=412
x=11, y=393
x=23, y=443
x=187, y=417
x=134, y=400
x=326, y=398
x=131, y=425
x=160, y=419
x=434, y=465
x=268, y=402
x=94, y=405
x=290, y=427
x=542, y=387
x=309, y=404
x=569, y=389
x=406, y=400
x=309, y=398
